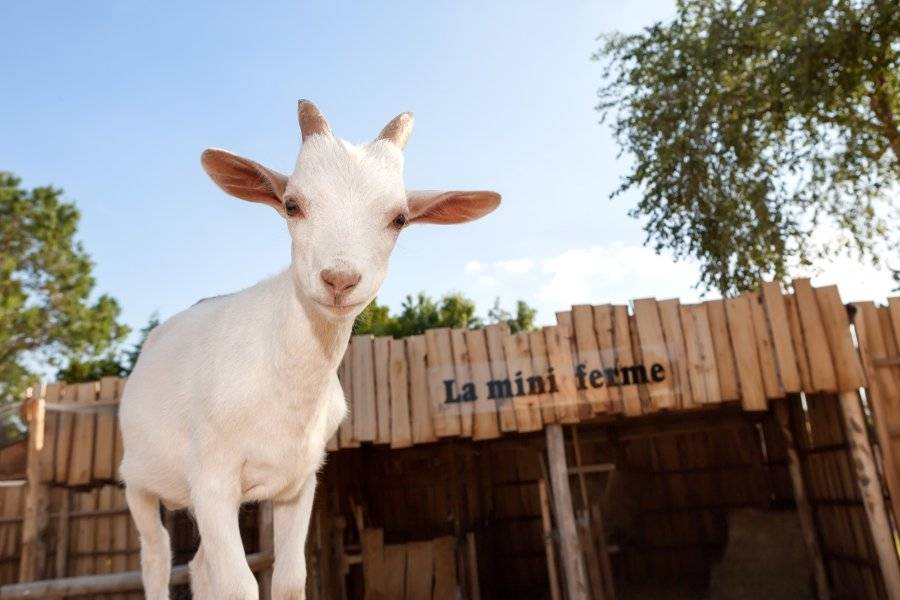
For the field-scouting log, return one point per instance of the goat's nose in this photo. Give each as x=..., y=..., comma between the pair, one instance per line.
x=339, y=281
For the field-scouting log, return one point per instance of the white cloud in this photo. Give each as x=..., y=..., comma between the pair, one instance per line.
x=473, y=266
x=613, y=273
x=517, y=266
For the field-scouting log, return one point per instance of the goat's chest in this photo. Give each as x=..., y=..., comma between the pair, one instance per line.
x=289, y=444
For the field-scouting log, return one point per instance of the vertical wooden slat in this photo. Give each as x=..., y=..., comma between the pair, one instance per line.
x=821, y=369
x=582, y=403
x=362, y=375
x=765, y=347
x=847, y=367
x=670, y=319
x=540, y=366
x=653, y=350
x=461, y=372
x=383, y=389
x=700, y=354
x=346, y=436
x=518, y=357
x=445, y=416
x=505, y=410
x=419, y=570
x=445, y=580
x=894, y=310
x=64, y=436
x=485, y=425
x=120, y=532
x=104, y=448
x=638, y=355
x=798, y=342
x=51, y=393
x=395, y=568
x=401, y=433
x=588, y=353
x=740, y=324
x=83, y=436
x=785, y=357
x=605, y=330
x=104, y=530
x=725, y=363
x=372, y=550
x=624, y=356
x=419, y=402
x=62, y=533
x=559, y=356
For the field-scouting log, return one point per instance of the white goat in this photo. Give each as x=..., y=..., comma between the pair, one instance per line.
x=234, y=399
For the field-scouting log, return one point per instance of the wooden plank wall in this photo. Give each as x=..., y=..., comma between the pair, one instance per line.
x=12, y=507
x=678, y=484
x=753, y=348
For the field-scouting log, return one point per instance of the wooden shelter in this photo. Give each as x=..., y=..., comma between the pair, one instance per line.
x=588, y=459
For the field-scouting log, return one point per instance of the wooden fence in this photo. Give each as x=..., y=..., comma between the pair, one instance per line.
x=662, y=356
x=598, y=364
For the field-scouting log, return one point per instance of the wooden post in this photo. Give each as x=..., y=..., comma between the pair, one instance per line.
x=570, y=548
x=870, y=490
x=552, y=571
x=266, y=546
x=34, y=521
x=804, y=511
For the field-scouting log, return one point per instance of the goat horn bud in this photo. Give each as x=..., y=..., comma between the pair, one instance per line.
x=398, y=130
x=312, y=122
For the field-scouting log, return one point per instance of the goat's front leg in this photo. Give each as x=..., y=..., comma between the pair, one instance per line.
x=216, y=505
x=291, y=521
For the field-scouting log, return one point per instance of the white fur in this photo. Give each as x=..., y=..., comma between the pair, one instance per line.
x=233, y=399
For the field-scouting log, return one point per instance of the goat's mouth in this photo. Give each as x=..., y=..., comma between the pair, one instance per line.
x=339, y=309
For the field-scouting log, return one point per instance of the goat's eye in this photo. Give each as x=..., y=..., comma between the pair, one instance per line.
x=399, y=221
x=291, y=208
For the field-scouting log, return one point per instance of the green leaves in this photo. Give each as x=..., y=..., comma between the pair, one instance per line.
x=47, y=308
x=422, y=312
x=753, y=125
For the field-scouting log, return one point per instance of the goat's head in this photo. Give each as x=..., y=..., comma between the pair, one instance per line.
x=345, y=205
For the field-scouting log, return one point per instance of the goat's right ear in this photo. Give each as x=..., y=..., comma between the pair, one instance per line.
x=244, y=178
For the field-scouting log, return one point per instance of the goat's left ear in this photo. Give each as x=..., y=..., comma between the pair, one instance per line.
x=447, y=208
x=244, y=178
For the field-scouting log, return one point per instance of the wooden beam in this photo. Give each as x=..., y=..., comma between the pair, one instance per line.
x=570, y=548
x=549, y=550
x=804, y=511
x=127, y=581
x=34, y=523
x=869, y=484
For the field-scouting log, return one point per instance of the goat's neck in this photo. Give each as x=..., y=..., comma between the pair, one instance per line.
x=304, y=335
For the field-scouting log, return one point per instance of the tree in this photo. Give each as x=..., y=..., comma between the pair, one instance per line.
x=112, y=364
x=522, y=321
x=753, y=125
x=421, y=312
x=47, y=309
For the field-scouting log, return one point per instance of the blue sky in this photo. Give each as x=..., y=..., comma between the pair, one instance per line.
x=114, y=101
